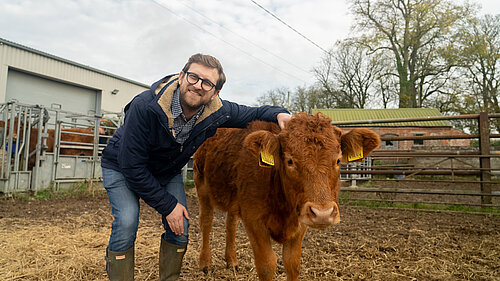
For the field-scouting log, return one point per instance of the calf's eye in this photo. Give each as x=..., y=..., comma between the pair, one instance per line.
x=338, y=161
x=290, y=162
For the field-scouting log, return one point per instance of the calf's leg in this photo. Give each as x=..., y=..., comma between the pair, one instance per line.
x=291, y=255
x=206, y=218
x=231, y=225
x=264, y=256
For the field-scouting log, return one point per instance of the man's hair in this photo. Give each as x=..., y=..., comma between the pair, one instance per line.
x=208, y=61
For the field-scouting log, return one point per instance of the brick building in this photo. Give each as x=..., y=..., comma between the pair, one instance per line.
x=400, y=129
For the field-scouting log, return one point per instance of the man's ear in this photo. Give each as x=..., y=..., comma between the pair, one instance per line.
x=357, y=144
x=264, y=142
x=216, y=92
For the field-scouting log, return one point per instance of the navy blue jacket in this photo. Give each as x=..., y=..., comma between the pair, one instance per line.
x=144, y=148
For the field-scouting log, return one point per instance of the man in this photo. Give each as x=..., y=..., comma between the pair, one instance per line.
x=163, y=128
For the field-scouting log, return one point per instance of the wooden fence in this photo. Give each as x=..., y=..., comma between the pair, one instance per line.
x=447, y=173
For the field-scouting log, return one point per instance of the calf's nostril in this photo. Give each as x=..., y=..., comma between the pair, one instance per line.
x=311, y=211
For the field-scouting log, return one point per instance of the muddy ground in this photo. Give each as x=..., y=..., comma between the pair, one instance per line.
x=65, y=239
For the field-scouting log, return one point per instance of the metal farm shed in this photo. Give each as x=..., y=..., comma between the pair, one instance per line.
x=34, y=77
x=399, y=129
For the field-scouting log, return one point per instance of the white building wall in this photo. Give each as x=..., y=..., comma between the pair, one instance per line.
x=28, y=60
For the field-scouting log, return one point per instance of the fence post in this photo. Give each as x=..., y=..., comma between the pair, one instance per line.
x=484, y=147
x=184, y=173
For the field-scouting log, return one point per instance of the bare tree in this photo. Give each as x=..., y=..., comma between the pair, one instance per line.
x=413, y=32
x=324, y=80
x=481, y=54
x=302, y=99
x=385, y=88
x=305, y=99
x=355, y=74
x=277, y=97
x=479, y=57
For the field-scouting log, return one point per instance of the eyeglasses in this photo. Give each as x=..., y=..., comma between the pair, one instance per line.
x=192, y=79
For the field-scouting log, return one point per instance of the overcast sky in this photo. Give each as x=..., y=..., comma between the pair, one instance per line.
x=144, y=40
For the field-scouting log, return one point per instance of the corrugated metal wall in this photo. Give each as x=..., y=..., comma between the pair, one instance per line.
x=36, y=90
x=24, y=59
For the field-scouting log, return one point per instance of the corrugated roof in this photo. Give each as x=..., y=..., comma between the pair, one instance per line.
x=22, y=47
x=352, y=114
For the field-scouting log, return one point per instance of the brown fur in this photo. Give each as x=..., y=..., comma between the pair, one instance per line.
x=276, y=202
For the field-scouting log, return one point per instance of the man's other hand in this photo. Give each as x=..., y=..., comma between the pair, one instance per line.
x=283, y=118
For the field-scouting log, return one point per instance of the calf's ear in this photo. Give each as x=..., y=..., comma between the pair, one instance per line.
x=262, y=142
x=357, y=144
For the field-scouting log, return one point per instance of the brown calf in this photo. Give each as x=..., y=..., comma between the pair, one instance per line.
x=276, y=200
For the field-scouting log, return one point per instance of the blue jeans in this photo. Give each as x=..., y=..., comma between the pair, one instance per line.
x=125, y=209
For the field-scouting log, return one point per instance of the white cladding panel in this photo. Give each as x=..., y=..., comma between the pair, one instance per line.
x=31, y=89
x=39, y=64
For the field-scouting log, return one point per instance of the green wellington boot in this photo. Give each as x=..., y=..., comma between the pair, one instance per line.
x=171, y=260
x=120, y=265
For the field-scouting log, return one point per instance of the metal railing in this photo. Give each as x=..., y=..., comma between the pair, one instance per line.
x=471, y=168
x=47, y=148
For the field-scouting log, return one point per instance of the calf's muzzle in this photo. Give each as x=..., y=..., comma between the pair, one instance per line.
x=320, y=215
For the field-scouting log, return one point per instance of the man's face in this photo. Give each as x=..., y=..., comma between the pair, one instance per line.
x=193, y=96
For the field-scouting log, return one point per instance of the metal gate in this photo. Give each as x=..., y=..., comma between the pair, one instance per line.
x=48, y=147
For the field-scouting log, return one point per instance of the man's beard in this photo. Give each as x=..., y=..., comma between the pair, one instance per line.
x=189, y=106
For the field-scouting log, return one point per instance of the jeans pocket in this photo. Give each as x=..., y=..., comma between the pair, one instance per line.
x=111, y=178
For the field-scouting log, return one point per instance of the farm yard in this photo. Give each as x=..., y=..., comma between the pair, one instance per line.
x=65, y=239
x=422, y=205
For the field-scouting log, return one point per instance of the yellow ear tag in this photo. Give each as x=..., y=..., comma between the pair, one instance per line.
x=266, y=159
x=355, y=156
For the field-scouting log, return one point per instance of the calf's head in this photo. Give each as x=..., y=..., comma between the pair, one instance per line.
x=307, y=156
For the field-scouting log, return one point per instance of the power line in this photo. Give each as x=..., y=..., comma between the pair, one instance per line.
x=247, y=40
x=228, y=43
x=287, y=25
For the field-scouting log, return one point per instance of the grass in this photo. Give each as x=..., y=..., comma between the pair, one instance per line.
x=422, y=206
x=475, y=143
x=445, y=178
x=188, y=184
x=77, y=189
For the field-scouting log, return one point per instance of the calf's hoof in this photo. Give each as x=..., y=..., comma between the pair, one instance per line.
x=205, y=263
x=232, y=262
x=205, y=269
